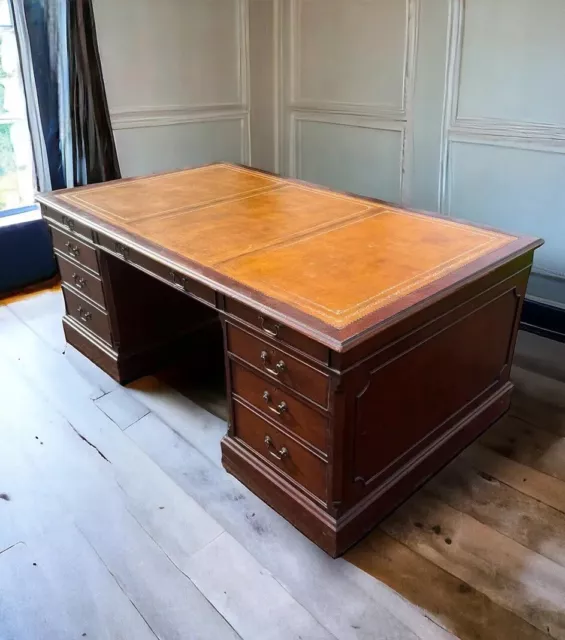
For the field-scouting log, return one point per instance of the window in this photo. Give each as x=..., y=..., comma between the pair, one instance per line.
x=16, y=160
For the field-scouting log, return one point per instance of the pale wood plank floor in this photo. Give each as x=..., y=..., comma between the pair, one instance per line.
x=118, y=521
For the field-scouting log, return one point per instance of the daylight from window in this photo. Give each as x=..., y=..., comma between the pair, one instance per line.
x=16, y=166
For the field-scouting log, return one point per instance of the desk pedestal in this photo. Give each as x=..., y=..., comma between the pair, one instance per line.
x=398, y=408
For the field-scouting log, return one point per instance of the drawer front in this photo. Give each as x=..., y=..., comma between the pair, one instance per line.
x=277, y=331
x=281, y=407
x=88, y=315
x=287, y=455
x=68, y=223
x=278, y=365
x=70, y=246
x=81, y=280
x=178, y=280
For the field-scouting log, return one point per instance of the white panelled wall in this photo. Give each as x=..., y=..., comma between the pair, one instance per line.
x=455, y=106
x=177, y=81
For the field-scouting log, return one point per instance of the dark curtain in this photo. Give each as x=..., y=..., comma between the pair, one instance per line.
x=94, y=152
x=69, y=120
x=68, y=116
x=37, y=34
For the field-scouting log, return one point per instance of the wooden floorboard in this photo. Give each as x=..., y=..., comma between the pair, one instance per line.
x=540, y=355
x=52, y=584
x=523, y=442
x=248, y=596
x=203, y=429
x=528, y=481
x=120, y=525
x=449, y=601
x=539, y=387
x=522, y=518
x=539, y=413
x=42, y=313
x=121, y=408
x=117, y=519
x=312, y=578
x=511, y=575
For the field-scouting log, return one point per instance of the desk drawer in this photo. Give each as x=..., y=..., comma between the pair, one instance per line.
x=277, y=331
x=70, y=224
x=278, y=365
x=88, y=315
x=81, y=280
x=291, y=458
x=175, y=278
x=284, y=409
x=74, y=248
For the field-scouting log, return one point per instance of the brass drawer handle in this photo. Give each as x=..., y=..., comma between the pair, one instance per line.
x=279, y=409
x=178, y=280
x=72, y=249
x=274, y=332
x=84, y=315
x=68, y=222
x=279, y=367
x=282, y=452
x=121, y=250
x=80, y=282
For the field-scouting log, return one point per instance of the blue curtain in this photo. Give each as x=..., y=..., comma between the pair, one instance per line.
x=68, y=116
x=67, y=107
x=38, y=30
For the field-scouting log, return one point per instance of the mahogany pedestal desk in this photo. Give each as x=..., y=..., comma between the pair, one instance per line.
x=365, y=345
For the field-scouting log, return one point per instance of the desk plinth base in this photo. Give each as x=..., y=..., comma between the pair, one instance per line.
x=98, y=352
x=336, y=535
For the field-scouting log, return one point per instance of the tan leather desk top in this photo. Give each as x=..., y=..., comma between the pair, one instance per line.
x=337, y=263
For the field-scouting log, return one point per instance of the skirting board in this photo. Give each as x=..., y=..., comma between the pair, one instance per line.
x=544, y=320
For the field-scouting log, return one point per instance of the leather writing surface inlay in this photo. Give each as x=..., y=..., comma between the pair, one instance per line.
x=341, y=274
x=165, y=194
x=332, y=256
x=223, y=231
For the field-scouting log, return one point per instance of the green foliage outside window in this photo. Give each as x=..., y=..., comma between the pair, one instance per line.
x=7, y=153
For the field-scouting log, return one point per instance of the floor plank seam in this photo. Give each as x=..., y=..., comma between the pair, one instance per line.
x=12, y=546
x=180, y=435
x=515, y=488
x=114, y=577
x=135, y=421
x=301, y=604
x=469, y=586
x=512, y=540
x=79, y=434
x=518, y=416
x=155, y=541
x=93, y=397
x=418, y=608
x=35, y=333
x=158, y=545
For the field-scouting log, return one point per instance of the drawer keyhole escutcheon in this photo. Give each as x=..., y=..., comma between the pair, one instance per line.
x=72, y=249
x=274, y=332
x=279, y=367
x=85, y=315
x=278, y=455
x=279, y=409
x=80, y=282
